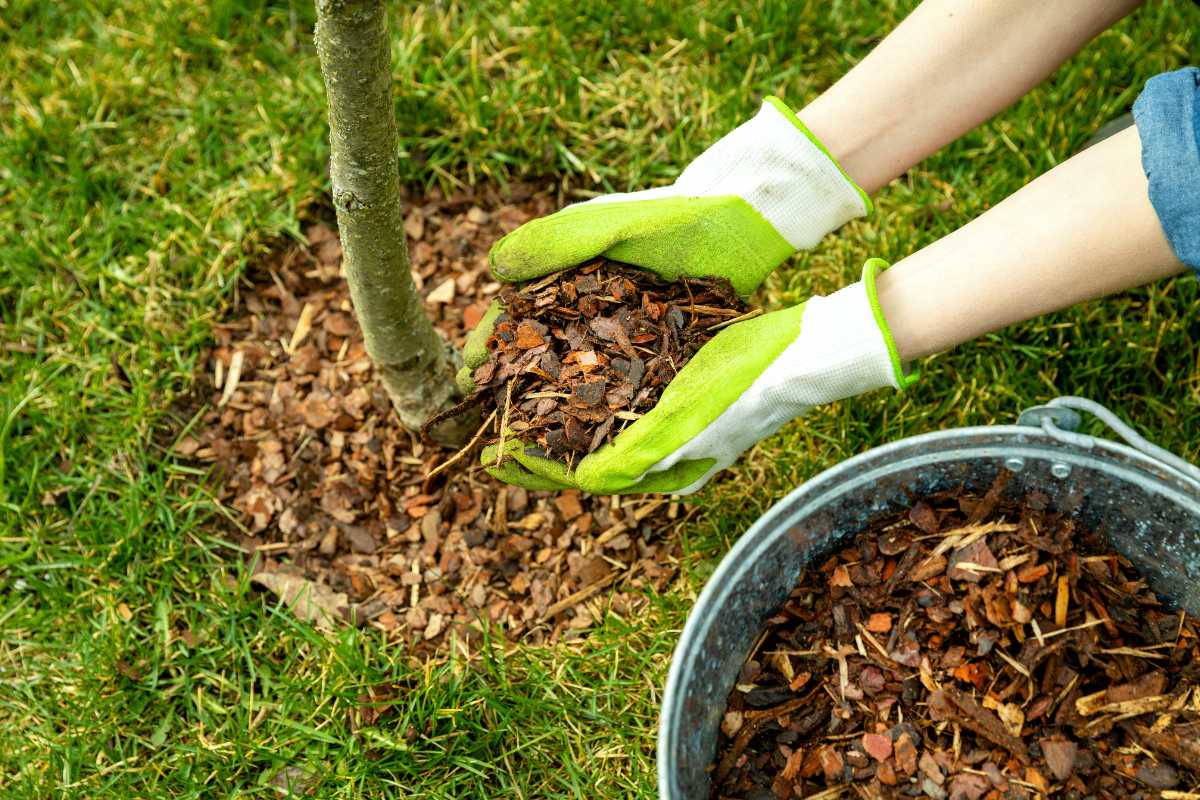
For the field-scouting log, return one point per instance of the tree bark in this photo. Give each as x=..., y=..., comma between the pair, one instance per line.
x=414, y=363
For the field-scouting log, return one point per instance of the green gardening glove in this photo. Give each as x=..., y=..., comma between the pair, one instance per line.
x=762, y=192
x=765, y=190
x=742, y=386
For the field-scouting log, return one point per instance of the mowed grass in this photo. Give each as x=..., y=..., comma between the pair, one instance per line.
x=149, y=151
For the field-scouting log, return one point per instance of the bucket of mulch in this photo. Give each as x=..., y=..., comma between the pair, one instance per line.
x=993, y=612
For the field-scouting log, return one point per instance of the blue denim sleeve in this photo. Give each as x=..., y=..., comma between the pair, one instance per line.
x=1167, y=113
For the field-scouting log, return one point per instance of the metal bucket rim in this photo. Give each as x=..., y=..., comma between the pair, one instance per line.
x=1127, y=458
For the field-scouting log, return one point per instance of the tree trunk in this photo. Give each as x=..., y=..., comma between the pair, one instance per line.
x=414, y=363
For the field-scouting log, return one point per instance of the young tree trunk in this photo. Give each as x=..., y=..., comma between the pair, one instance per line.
x=415, y=364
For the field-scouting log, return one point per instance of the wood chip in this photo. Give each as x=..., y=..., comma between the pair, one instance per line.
x=231, y=380
x=303, y=327
x=309, y=601
x=444, y=293
x=1062, y=601
x=1060, y=756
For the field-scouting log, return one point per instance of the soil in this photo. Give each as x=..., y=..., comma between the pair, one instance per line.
x=326, y=489
x=579, y=355
x=974, y=647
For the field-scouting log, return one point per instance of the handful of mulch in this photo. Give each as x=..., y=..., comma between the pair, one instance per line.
x=580, y=354
x=972, y=648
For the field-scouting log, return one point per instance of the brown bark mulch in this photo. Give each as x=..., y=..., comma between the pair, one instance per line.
x=576, y=357
x=974, y=647
x=332, y=495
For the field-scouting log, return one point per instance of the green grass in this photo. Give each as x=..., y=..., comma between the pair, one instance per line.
x=149, y=151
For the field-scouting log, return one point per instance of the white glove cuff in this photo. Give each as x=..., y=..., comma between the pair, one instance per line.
x=776, y=165
x=840, y=352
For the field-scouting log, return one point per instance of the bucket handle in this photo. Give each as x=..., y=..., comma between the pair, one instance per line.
x=1059, y=419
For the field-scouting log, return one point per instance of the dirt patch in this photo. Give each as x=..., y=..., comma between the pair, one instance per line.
x=975, y=647
x=330, y=489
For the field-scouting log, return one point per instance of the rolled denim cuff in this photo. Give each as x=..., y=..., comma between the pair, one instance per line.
x=1167, y=122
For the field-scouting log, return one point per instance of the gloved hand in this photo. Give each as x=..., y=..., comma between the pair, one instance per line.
x=742, y=386
x=762, y=192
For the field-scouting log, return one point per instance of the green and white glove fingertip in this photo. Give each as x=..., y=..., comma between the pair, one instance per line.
x=520, y=468
x=474, y=350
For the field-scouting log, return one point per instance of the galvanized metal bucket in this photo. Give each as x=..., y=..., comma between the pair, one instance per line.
x=1143, y=499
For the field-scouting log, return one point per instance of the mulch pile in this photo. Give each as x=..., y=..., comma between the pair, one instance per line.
x=579, y=355
x=974, y=647
x=332, y=495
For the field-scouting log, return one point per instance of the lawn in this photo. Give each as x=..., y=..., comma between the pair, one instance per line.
x=150, y=151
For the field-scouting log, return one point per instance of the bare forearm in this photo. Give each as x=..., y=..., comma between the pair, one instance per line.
x=948, y=67
x=1081, y=231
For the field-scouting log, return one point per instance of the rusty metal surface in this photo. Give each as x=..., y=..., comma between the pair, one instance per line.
x=1147, y=511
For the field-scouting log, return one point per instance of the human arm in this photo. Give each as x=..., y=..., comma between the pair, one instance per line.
x=944, y=70
x=1083, y=230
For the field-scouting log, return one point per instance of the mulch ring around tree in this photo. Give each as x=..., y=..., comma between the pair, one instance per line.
x=332, y=497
